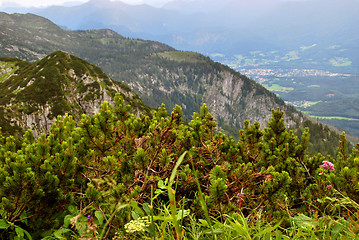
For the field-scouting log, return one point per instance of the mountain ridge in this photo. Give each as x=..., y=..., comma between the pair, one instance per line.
x=234, y=27
x=160, y=74
x=147, y=65
x=34, y=94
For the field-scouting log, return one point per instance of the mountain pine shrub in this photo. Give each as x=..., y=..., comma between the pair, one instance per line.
x=94, y=177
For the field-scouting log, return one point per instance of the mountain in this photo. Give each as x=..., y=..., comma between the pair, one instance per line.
x=32, y=95
x=230, y=27
x=274, y=38
x=158, y=74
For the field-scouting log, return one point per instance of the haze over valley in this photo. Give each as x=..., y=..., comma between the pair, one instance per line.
x=300, y=50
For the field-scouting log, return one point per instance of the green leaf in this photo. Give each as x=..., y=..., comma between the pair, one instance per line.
x=137, y=212
x=19, y=232
x=135, y=215
x=28, y=235
x=81, y=227
x=24, y=215
x=267, y=230
x=4, y=224
x=147, y=209
x=303, y=221
x=99, y=217
x=203, y=222
x=174, y=171
x=182, y=214
x=158, y=192
x=162, y=185
x=240, y=229
x=67, y=220
x=278, y=234
x=59, y=233
x=215, y=231
x=336, y=230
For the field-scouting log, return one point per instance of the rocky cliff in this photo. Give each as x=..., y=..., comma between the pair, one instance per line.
x=32, y=95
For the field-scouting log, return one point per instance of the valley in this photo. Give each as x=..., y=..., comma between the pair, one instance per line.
x=328, y=95
x=311, y=61
x=106, y=136
x=160, y=74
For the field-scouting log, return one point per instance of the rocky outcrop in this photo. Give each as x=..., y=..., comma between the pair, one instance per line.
x=58, y=84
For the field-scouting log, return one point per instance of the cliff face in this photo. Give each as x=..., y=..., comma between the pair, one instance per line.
x=34, y=94
x=193, y=79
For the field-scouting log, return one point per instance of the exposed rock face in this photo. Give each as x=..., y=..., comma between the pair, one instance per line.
x=33, y=96
x=39, y=121
x=231, y=97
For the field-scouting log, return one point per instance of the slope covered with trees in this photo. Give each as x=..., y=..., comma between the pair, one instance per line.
x=156, y=72
x=32, y=95
x=118, y=175
x=159, y=74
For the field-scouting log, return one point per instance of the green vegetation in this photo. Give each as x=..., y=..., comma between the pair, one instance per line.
x=292, y=55
x=333, y=117
x=278, y=88
x=308, y=104
x=66, y=82
x=189, y=57
x=7, y=69
x=340, y=62
x=154, y=71
x=59, y=82
x=119, y=175
x=139, y=64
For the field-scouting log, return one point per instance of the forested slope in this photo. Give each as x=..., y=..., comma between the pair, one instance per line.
x=158, y=74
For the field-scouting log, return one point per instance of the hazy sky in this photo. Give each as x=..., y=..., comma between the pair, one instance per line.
x=42, y=3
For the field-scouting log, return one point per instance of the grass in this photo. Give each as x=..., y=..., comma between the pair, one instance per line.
x=292, y=55
x=310, y=103
x=330, y=117
x=278, y=88
x=6, y=70
x=340, y=62
x=169, y=221
x=179, y=56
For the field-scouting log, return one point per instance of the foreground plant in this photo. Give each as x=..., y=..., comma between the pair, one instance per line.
x=93, y=179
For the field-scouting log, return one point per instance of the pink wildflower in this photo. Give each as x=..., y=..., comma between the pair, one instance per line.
x=240, y=195
x=328, y=165
x=329, y=186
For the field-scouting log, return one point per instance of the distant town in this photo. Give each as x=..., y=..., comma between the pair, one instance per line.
x=258, y=74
